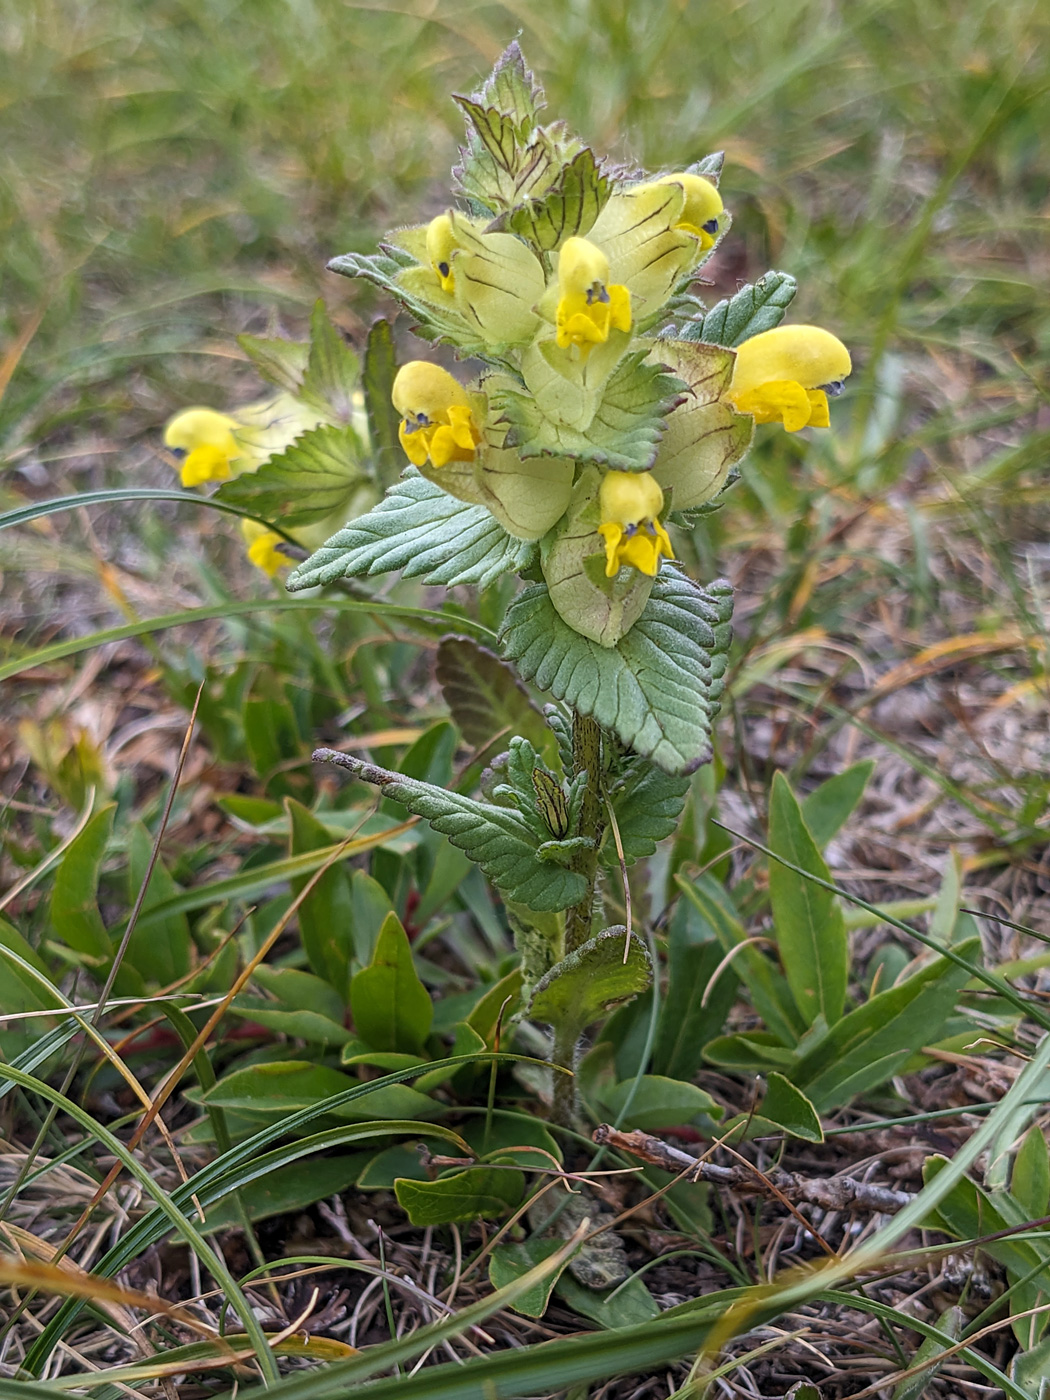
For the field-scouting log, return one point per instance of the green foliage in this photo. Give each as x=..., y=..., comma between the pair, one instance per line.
x=391, y=1007
x=486, y=698
x=567, y=209
x=317, y=476
x=748, y=312
x=658, y=689
x=610, y=968
x=74, y=899
x=422, y=531
x=485, y=1192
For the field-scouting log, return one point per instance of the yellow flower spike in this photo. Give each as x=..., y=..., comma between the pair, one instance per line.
x=441, y=241
x=207, y=439
x=436, y=419
x=588, y=307
x=263, y=547
x=703, y=204
x=785, y=375
x=630, y=505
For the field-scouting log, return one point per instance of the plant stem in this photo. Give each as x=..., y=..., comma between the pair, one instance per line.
x=563, y=1103
x=586, y=755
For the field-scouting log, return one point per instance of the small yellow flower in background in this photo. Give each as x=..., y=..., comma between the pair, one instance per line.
x=263, y=547
x=441, y=241
x=588, y=307
x=630, y=505
x=207, y=438
x=436, y=418
x=703, y=204
x=785, y=375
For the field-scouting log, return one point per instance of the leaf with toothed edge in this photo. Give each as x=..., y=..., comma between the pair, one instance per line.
x=567, y=210
x=753, y=309
x=497, y=839
x=421, y=530
x=648, y=803
x=658, y=688
x=624, y=433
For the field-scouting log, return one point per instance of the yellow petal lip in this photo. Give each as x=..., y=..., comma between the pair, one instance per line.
x=588, y=306
x=630, y=504
x=702, y=206
x=206, y=438
x=263, y=548
x=424, y=388
x=436, y=418
x=806, y=355
x=441, y=243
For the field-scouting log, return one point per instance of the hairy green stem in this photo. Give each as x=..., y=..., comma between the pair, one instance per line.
x=563, y=1052
x=586, y=756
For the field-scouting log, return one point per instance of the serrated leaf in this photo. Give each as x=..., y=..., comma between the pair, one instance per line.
x=318, y=475
x=280, y=362
x=810, y=928
x=657, y=689
x=647, y=804
x=624, y=432
x=391, y=1007
x=432, y=322
x=333, y=371
x=497, y=839
x=419, y=529
x=377, y=381
x=485, y=696
x=588, y=983
x=485, y=1192
x=756, y=307
x=567, y=210
x=789, y=1108
x=512, y=89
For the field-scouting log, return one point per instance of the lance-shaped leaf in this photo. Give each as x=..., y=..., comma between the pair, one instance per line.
x=332, y=380
x=497, y=839
x=756, y=307
x=567, y=210
x=419, y=529
x=647, y=803
x=624, y=432
x=704, y=435
x=377, y=381
x=319, y=474
x=658, y=688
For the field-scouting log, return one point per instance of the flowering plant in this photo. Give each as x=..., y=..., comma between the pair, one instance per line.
x=610, y=406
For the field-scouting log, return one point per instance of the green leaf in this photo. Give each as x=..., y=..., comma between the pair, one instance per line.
x=284, y=1086
x=319, y=474
x=769, y=989
x=827, y=809
x=333, y=370
x=628, y=1305
x=74, y=900
x=658, y=689
x=868, y=1046
x=567, y=210
x=810, y=929
x=287, y=1190
x=592, y=980
x=369, y=906
x=658, y=1102
x=497, y=839
x=692, y=1010
x=648, y=803
x=1031, y=1370
x=951, y=1322
x=511, y=89
x=421, y=530
x=1030, y=1178
x=497, y=1006
x=754, y=308
x=380, y=370
x=789, y=1108
x=511, y=1261
x=392, y=1009
x=624, y=432
x=485, y=1192
x=486, y=698
x=508, y=1138
x=19, y=989
x=160, y=953
x=383, y=270
x=280, y=362
x=754, y=1052
x=325, y=917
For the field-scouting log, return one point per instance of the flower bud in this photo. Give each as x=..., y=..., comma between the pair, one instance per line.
x=441, y=240
x=630, y=504
x=437, y=423
x=784, y=376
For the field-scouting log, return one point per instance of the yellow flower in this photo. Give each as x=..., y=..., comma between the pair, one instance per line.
x=436, y=418
x=441, y=241
x=785, y=375
x=703, y=204
x=588, y=307
x=263, y=547
x=207, y=439
x=630, y=505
